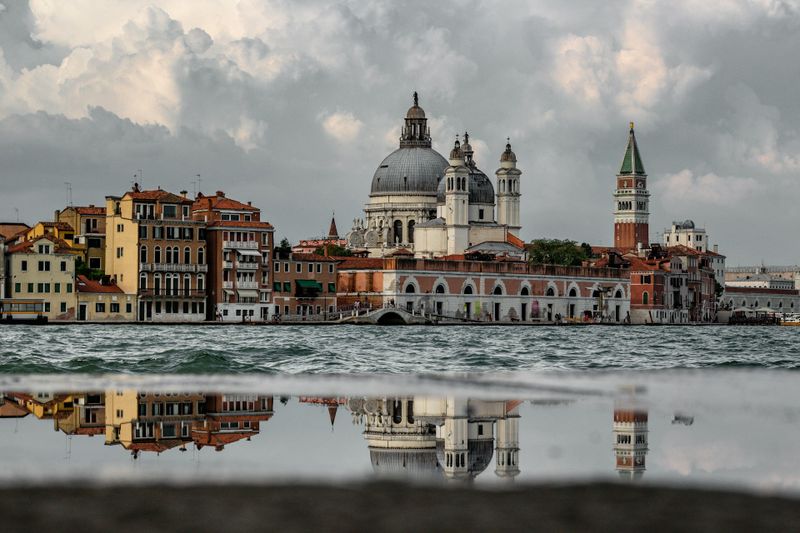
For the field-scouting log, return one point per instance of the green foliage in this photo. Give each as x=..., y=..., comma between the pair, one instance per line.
x=283, y=249
x=557, y=252
x=83, y=269
x=334, y=250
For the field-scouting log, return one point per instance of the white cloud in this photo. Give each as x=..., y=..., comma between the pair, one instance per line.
x=342, y=126
x=685, y=187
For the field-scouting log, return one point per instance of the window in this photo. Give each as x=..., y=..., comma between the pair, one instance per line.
x=187, y=255
x=185, y=211
x=645, y=298
x=171, y=234
x=169, y=211
x=128, y=308
x=201, y=256
x=480, y=214
x=114, y=307
x=57, y=287
x=287, y=286
x=100, y=307
x=143, y=254
x=201, y=282
x=30, y=287
x=63, y=307
x=120, y=250
x=331, y=287
x=298, y=267
x=94, y=263
x=142, y=232
x=44, y=248
x=120, y=228
x=275, y=286
x=44, y=266
x=18, y=287
x=277, y=267
x=24, y=266
x=286, y=267
x=47, y=307
x=69, y=287
x=330, y=268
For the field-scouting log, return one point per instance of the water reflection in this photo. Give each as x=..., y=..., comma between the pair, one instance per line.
x=425, y=437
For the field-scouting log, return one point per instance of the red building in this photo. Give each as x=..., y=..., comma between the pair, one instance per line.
x=304, y=286
x=239, y=247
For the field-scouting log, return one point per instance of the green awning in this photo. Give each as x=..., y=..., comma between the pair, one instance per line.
x=308, y=284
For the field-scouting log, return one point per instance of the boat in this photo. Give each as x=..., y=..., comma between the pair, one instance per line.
x=790, y=319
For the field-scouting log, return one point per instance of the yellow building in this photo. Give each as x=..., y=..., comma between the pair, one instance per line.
x=89, y=223
x=154, y=249
x=44, y=268
x=103, y=301
x=59, y=230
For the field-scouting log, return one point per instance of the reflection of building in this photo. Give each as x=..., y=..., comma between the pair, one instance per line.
x=630, y=441
x=230, y=418
x=432, y=436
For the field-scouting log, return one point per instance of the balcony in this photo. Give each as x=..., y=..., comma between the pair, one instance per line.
x=239, y=285
x=240, y=245
x=171, y=293
x=247, y=266
x=227, y=265
x=171, y=267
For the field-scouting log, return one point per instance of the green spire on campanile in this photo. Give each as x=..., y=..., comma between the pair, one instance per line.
x=632, y=162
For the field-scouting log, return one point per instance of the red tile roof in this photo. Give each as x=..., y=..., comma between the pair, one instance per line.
x=220, y=203
x=158, y=195
x=516, y=241
x=9, y=229
x=61, y=247
x=87, y=285
x=360, y=263
x=91, y=210
x=63, y=226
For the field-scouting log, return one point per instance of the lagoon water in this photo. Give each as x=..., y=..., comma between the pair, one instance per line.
x=370, y=349
x=720, y=405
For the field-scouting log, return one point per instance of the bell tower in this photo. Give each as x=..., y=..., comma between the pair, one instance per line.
x=508, y=194
x=631, y=200
x=456, y=203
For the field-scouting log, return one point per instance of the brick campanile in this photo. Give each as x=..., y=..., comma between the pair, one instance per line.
x=631, y=200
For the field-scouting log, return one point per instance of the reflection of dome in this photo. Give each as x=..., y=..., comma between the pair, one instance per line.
x=481, y=190
x=404, y=462
x=409, y=170
x=480, y=454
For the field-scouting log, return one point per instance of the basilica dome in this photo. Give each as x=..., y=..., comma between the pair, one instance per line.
x=481, y=190
x=410, y=170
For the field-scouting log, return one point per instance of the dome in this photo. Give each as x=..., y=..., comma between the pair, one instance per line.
x=416, y=170
x=508, y=154
x=479, y=453
x=404, y=462
x=415, y=111
x=481, y=190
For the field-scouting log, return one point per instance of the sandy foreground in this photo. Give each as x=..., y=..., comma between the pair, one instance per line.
x=391, y=507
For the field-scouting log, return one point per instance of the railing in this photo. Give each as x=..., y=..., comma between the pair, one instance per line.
x=186, y=293
x=240, y=285
x=171, y=267
x=247, y=266
x=398, y=263
x=240, y=245
x=227, y=264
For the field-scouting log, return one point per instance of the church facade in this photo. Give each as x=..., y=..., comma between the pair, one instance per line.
x=434, y=207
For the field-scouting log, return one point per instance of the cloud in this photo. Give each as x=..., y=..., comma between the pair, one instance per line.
x=342, y=126
x=685, y=187
x=256, y=82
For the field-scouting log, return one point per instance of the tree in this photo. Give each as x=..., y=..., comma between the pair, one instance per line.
x=557, y=252
x=284, y=248
x=334, y=250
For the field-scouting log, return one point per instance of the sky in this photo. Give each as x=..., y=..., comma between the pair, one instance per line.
x=293, y=105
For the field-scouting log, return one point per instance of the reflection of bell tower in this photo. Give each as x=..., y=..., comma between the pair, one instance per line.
x=456, y=447
x=630, y=442
x=507, y=452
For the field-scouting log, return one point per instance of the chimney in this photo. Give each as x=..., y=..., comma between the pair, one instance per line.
x=716, y=248
x=55, y=216
x=249, y=203
x=91, y=205
x=221, y=194
x=184, y=193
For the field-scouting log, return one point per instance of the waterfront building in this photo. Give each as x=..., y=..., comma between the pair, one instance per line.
x=310, y=246
x=760, y=279
x=43, y=269
x=491, y=290
x=659, y=290
x=631, y=200
x=2, y=268
x=100, y=300
x=239, y=257
x=774, y=272
x=687, y=234
x=89, y=224
x=156, y=250
x=434, y=206
x=304, y=286
x=758, y=299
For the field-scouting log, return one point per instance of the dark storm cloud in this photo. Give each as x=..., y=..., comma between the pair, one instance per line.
x=293, y=105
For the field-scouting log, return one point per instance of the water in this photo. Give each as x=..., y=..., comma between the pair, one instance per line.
x=713, y=406
x=368, y=349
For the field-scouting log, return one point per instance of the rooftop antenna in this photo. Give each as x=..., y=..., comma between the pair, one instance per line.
x=140, y=176
x=69, y=193
x=16, y=210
